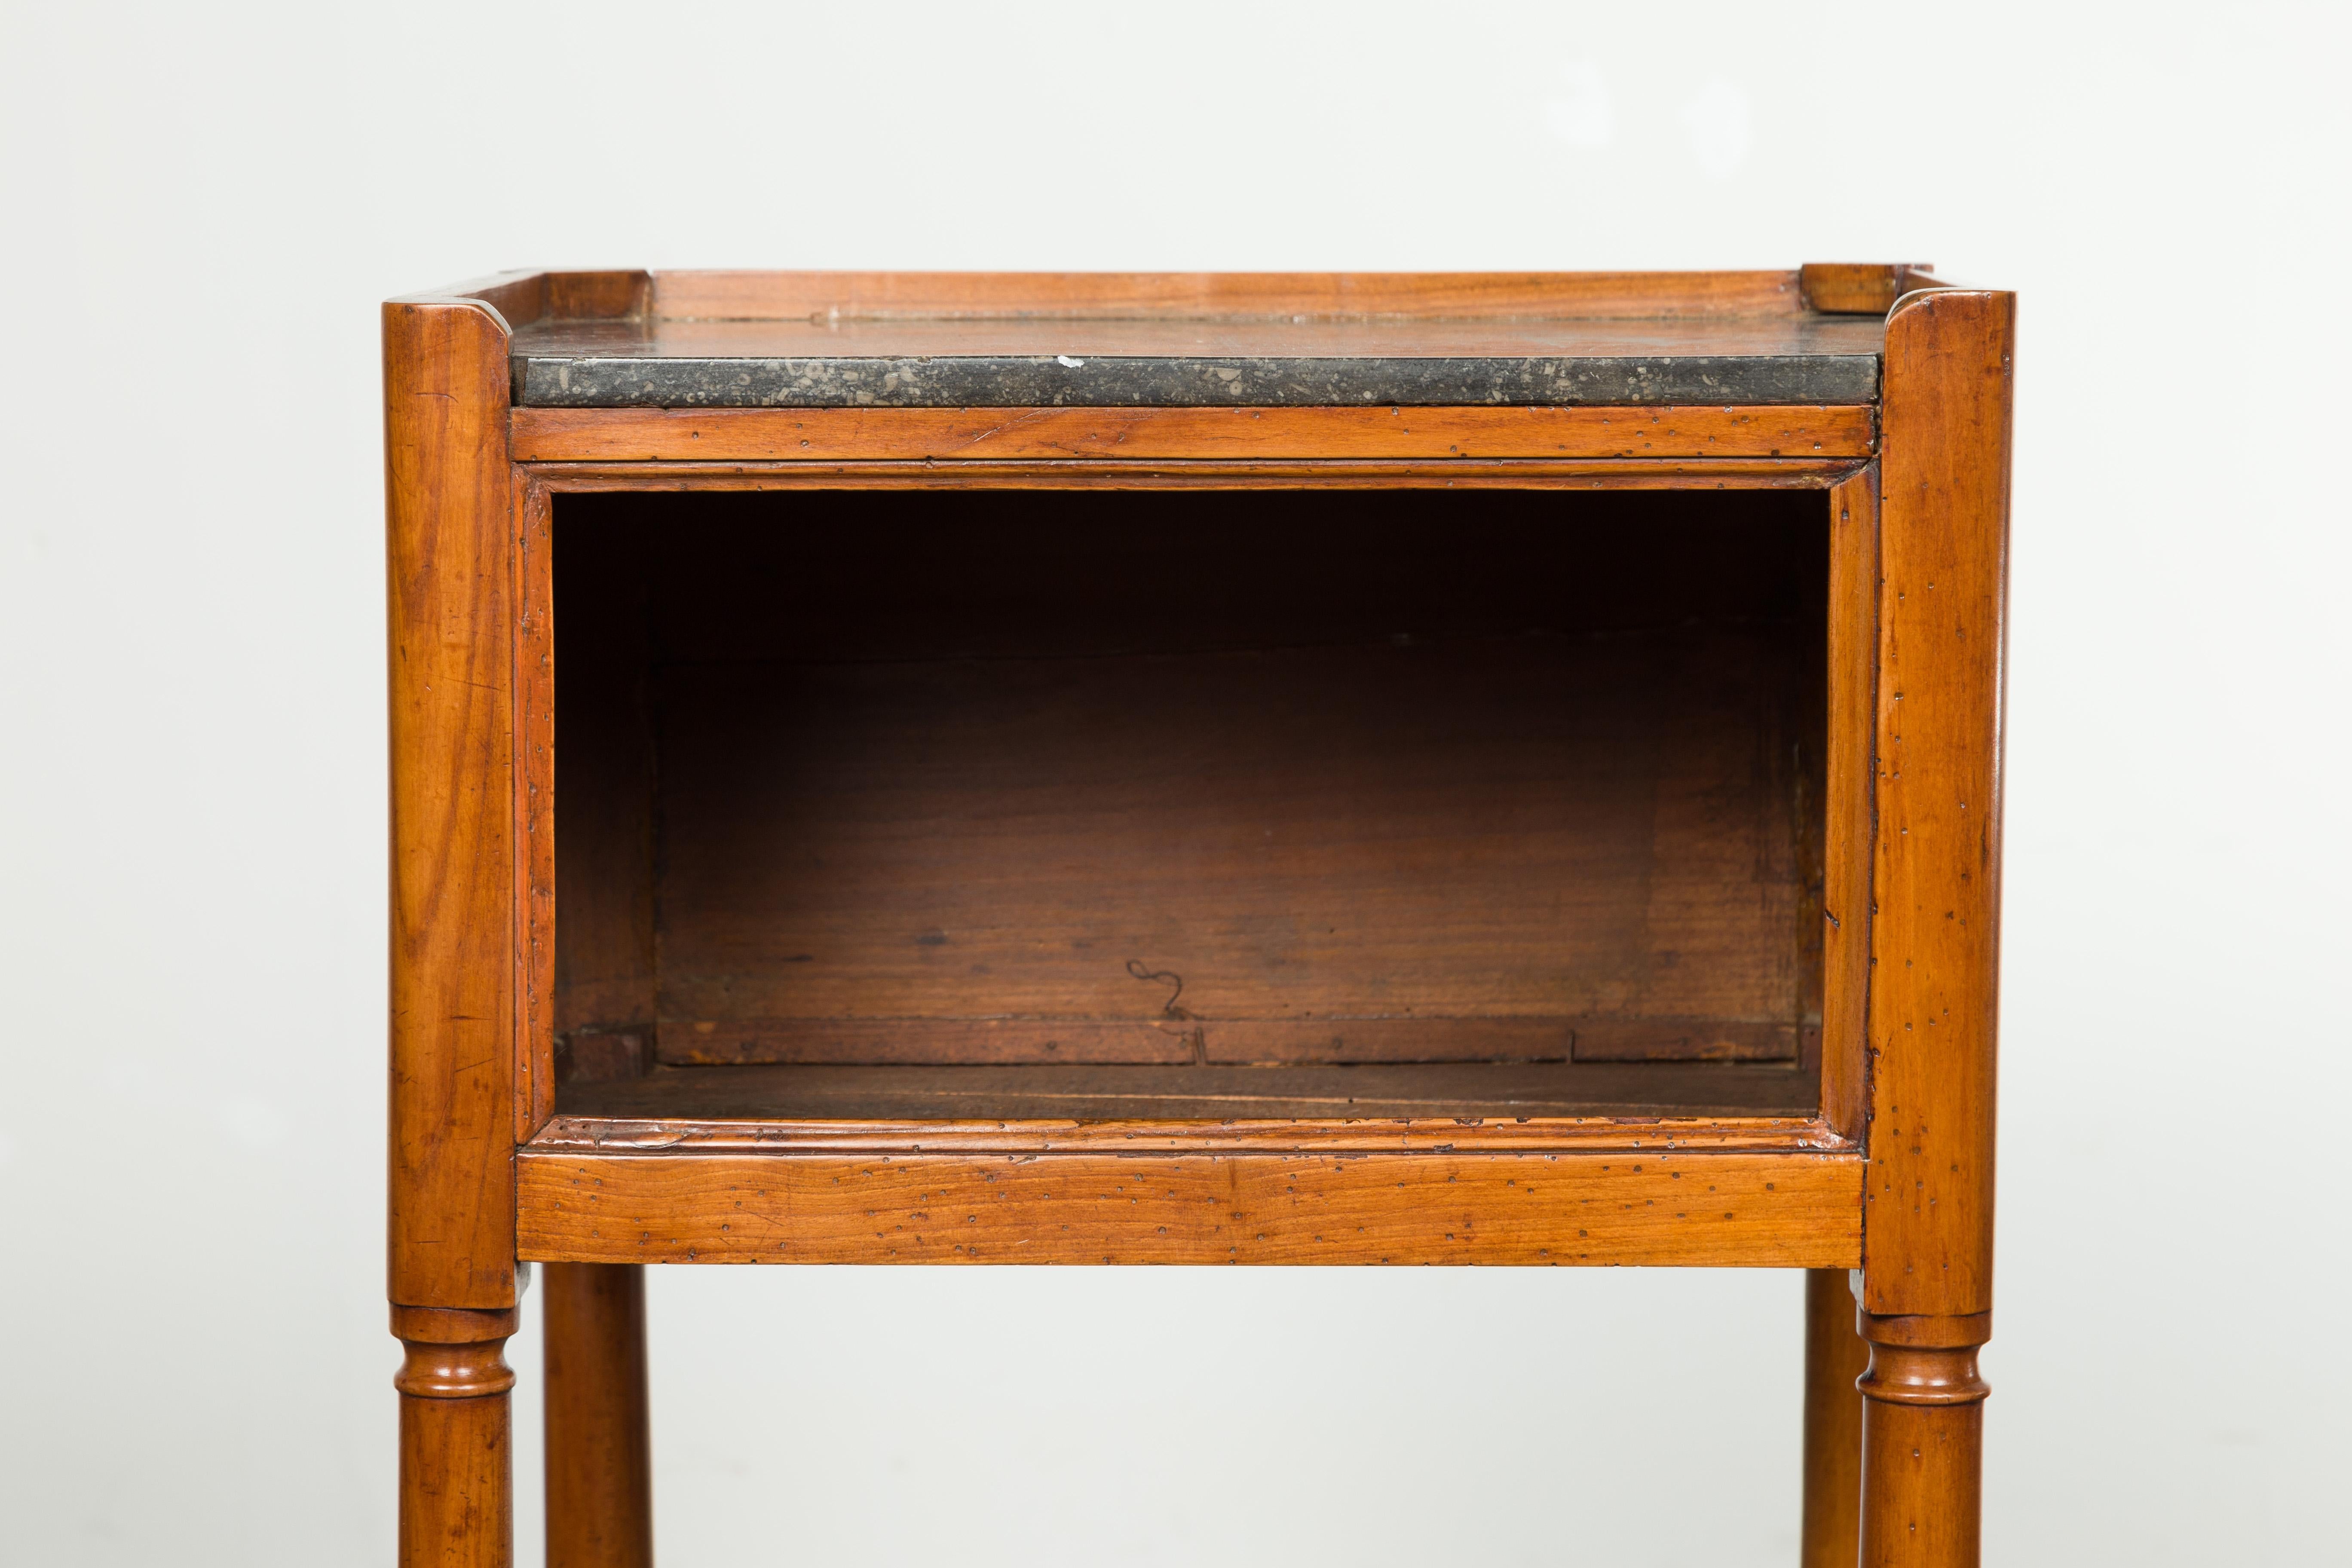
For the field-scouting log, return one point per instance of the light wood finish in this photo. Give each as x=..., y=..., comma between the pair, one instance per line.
x=1835, y=1358
x=1162, y=435
x=455, y=1084
x=599, y=1449
x=456, y=1484
x=1077, y=296
x=1702, y=1209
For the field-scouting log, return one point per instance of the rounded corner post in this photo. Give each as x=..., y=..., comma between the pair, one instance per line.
x=450, y=1236
x=1926, y=1280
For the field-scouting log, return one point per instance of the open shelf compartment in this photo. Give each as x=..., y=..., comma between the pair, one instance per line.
x=1208, y=805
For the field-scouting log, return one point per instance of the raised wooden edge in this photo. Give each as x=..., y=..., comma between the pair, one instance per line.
x=720, y=295
x=1164, y=434
x=1862, y=288
x=1851, y=772
x=1935, y=940
x=1702, y=1209
x=521, y=297
x=1464, y=473
x=1258, y=1135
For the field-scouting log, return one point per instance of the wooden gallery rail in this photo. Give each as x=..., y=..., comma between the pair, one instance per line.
x=1192, y=769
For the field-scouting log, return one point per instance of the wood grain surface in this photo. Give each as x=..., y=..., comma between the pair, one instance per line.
x=1476, y=1094
x=1467, y=778
x=454, y=912
x=1936, y=940
x=1850, y=784
x=1786, y=1210
x=599, y=1442
x=1927, y=1268
x=1112, y=474
x=720, y=295
x=764, y=434
x=1835, y=1358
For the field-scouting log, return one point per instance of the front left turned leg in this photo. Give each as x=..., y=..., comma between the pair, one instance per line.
x=456, y=1475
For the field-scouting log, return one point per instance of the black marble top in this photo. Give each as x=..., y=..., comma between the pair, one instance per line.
x=1045, y=362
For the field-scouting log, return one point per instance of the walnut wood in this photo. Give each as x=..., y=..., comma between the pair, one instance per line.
x=1165, y=434
x=1702, y=1209
x=599, y=1455
x=1935, y=941
x=453, y=1035
x=1922, y=1437
x=1835, y=1357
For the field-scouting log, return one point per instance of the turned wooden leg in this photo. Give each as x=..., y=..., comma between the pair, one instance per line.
x=456, y=1479
x=1835, y=1357
x=1922, y=1441
x=599, y=1455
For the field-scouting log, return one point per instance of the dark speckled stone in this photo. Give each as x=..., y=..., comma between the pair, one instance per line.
x=1120, y=381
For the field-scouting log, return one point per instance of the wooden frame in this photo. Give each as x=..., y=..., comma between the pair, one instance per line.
x=1892, y=1178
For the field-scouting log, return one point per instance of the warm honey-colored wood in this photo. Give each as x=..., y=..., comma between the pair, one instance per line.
x=1160, y=434
x=1922, y=1441
x=456, y=1490
x=1428, y=1086
x=534, y=804
x=454, y=917
x=529, y=295
x=1698, y=1209
x=1065, y=296
x=1866, y=288
x=1927, y=1268
x=1119, y=474
x=1835, y=1357
x=1944, y=531
x=599, y=1453
x=1851, y=781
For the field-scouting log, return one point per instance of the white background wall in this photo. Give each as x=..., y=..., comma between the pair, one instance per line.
x=202, y=206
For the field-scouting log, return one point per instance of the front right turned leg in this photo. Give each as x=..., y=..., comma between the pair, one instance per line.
x=1922, y=1440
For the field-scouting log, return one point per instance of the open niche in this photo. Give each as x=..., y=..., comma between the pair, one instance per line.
x=904, y=805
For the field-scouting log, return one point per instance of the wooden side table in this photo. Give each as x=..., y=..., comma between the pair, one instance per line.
x=1192, y=769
